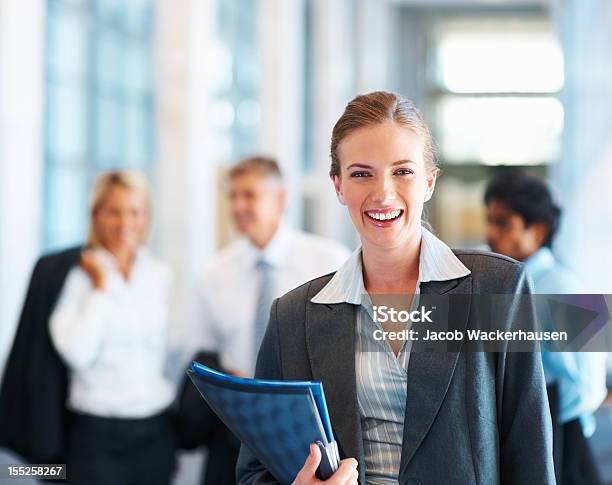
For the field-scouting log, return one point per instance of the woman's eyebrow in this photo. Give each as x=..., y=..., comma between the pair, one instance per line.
x=358, y=165
x=365, y=165
x=402, y=162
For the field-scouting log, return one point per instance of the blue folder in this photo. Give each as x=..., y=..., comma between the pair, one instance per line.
x=276, y=420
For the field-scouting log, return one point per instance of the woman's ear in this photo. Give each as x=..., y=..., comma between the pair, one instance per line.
x=431, y=184
x=338, y=187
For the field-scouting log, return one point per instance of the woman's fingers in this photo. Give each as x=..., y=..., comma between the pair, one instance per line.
x=92, y=267
x=346, y=474
x=306, y=475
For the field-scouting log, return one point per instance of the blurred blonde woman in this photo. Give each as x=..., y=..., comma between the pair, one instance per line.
x=110, y=328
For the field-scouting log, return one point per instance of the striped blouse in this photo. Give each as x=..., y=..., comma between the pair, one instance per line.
x=381, y=376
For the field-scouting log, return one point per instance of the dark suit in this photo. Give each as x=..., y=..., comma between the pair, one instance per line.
x=471, y=417
x=34, y=387
x=198, y=425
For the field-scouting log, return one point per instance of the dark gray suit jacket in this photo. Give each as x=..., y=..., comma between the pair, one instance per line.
x=471, y=417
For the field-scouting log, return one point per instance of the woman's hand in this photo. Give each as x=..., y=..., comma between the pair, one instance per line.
x=346, y=474
x=90, y=264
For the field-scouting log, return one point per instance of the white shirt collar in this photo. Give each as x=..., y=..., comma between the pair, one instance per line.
x=539, y=262
x=437, y=262
x=275, y=252
x=109, y=261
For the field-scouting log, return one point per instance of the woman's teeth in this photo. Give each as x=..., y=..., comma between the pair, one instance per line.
x=384, y=216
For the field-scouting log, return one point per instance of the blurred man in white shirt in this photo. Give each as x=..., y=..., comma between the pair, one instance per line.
x=235, y=290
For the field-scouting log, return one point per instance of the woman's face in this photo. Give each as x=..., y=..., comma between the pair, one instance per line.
x=384, y=183
x=121, y=220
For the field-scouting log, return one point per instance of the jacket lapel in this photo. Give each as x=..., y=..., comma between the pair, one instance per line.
x=330, y=337
x=430, y=373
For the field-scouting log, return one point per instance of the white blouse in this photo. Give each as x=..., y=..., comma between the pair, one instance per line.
x=114, y=340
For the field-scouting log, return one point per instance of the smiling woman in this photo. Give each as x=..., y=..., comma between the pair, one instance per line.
x=401, y=415
x=109, y=327
x=384, y=182
x=388, y=173
x=119, y=221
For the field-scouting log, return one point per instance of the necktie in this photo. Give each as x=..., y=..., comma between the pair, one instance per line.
x=264, y=300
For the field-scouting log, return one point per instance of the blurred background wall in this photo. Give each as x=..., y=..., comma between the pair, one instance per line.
x=182, y=88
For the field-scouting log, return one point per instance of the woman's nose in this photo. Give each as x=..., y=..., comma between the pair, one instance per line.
x=125, y=219
x=384, y=189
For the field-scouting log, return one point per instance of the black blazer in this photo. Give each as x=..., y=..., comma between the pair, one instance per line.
x=471, y=417
x=35, y=382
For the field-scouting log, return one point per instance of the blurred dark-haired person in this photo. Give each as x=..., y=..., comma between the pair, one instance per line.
x=522, y=220
x=90, y=351
x=235, y=290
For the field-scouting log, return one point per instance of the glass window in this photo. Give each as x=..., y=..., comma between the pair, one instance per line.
x=109, y=60
x=67, y=202
x=235, y=112
x=495, y=87
x=67, y=122
x=138, y=69
x=136, y=135
x=109, y=130
x=500, y=130
x=99, y=104
x=495, y=57
x=67, y=35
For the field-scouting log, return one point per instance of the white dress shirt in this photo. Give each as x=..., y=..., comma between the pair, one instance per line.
x=227, y=290
x=114, y=340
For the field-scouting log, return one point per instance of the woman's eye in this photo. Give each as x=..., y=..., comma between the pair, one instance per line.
x=360, y=174
x=404, y=171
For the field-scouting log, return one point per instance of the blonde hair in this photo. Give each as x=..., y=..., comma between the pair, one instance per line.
x=380, y=107
x=104, y=183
